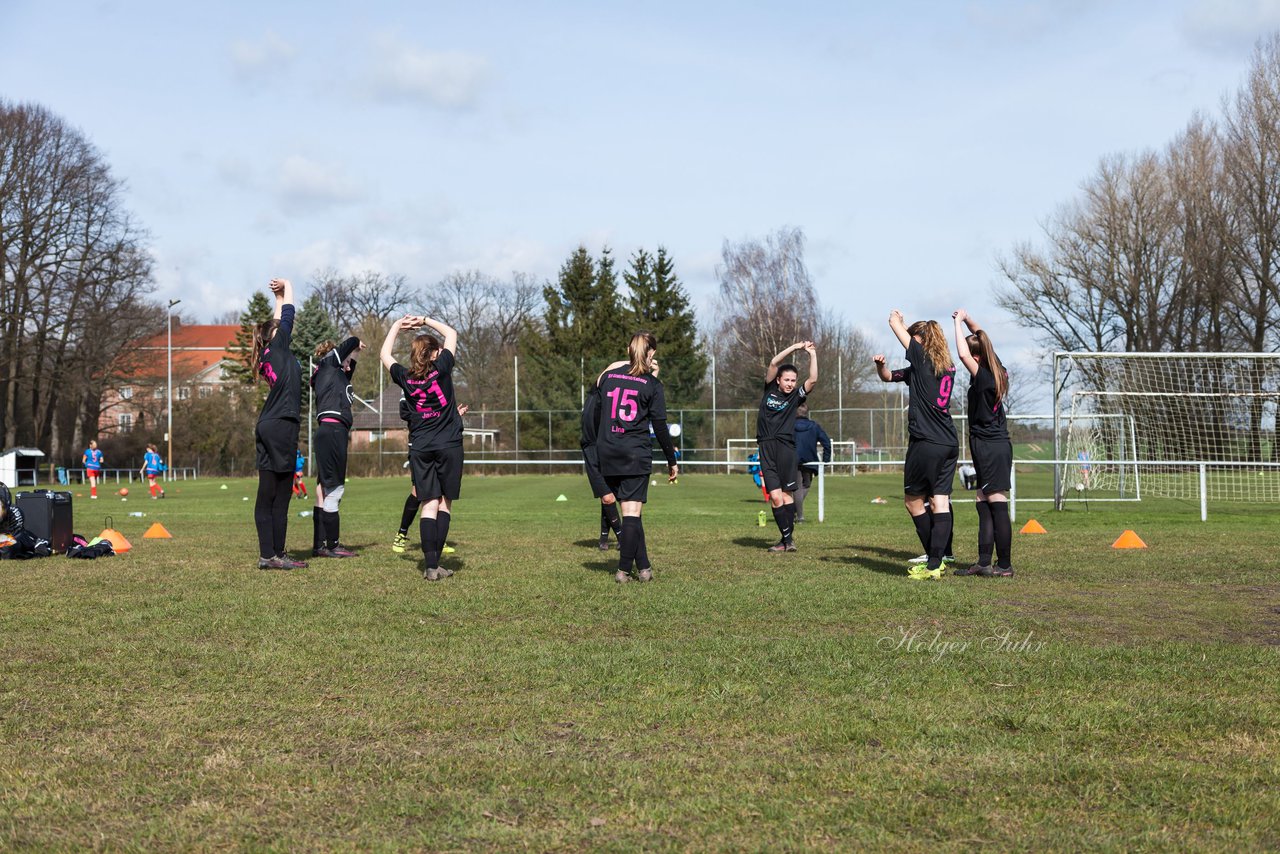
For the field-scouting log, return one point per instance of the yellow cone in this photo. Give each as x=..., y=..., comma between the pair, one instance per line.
x=157, y=532
x=1032, y=527
x=1129, y=540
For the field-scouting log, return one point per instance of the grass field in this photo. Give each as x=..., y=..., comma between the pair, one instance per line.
x=178, y=698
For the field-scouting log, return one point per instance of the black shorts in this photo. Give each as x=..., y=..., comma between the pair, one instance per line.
x=276, y=440
x=930, y=468
x=591, y=461
x=331, y=454
x=437, y=473
x=779, y=465
x=629, y=487
x=994, y=461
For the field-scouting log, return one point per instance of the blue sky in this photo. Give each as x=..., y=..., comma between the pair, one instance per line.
x=913, y=142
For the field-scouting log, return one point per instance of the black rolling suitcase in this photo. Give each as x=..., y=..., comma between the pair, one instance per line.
x=47, y=514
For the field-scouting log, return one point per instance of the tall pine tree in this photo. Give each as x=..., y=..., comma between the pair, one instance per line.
x=659, y=303
x=312, y=326
x=258, y=310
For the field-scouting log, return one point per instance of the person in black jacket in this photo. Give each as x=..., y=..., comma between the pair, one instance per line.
x=631, y=400
x=809, y=435
x=331, y=381
x=276, y=435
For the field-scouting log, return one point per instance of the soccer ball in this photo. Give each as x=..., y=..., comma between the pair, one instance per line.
x=1079, y=487
x=124, y=490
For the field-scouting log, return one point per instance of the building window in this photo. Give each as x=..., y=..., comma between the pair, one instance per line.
x=206, y=391
x=184, y=392
x=158, y=393
x=377, y=435
x=126, y=422
x=126, y=393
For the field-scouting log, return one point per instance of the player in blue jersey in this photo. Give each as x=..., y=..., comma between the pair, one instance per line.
x=152, y=468
x=92, y=466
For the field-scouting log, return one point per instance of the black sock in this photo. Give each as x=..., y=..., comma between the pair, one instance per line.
x=986, y=536
x=782, y=519
x=1003, y=533
x=410, y=510
x=317, y=528
x=430, y=551
x=642, y=552
x=924, y=529
x=442, y=529
x=938, y=538
x=615, y=520
x=791, y=522
x=628, y=542
x=605, y=527
x=331, y=528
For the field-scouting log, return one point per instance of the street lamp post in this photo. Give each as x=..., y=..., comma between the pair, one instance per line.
x=169, y=397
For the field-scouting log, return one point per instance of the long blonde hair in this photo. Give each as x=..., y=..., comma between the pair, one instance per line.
x=980, y=348
x=935, y=345
x=262, y=335
x=640, y=353
x=422, y=355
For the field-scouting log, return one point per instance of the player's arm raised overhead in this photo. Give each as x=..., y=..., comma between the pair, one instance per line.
x=447, y=333
x=772, y=370
x=899, y=327
x=387, y=354
x=812, y=350
x=283, y=291
x=960, y=316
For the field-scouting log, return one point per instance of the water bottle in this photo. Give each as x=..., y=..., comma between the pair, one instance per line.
x=760, y=519
x=305, y=513
x=137, y=514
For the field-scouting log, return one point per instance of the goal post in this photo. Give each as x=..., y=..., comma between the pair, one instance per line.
x=1160, y=423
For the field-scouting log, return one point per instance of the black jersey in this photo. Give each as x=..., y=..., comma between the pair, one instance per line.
x=590, y=418
x=928, y=410
x=434, y=422
x=331, y=380
x=777, y=417
x=628, y=406
x=282, y=372
x=986, y=409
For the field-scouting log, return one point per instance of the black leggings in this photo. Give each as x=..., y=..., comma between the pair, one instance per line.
x=271, y=511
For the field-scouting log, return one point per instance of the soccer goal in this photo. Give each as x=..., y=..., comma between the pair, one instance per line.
x=1177, y=425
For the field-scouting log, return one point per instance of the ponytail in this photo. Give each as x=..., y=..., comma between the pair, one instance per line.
x=422, y=355
x=934, y=344
x=262, y=335
x=980, y=348
x=640, y=353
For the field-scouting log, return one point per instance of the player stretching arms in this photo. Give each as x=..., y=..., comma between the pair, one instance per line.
x=990, y=445
x=776, y=437
x=933, y=447
x=435, y=430
x=276, y=435
x=331, y=379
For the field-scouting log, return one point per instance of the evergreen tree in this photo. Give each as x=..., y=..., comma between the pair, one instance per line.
x=658, y=302
x=312, y=326
x=258, y=310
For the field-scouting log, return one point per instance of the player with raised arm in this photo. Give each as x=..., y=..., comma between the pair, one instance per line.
x=435, y=430
x=331, y=380
x=776, y=437
x=276, y=434
x=990, y=445
x=933, y=447
x=631, y=401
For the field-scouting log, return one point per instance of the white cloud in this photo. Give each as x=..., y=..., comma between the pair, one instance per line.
x=1230, y=26
x=259, y=60
x=442, y=79
x=304, y=183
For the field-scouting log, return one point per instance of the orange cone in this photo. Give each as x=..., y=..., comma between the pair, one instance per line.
x=118, y=541
x=1129, y=540
x=157, y=532
x=1032, y=527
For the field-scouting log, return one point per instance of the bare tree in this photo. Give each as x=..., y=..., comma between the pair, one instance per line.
x=489, y=315
x=75, y=276
x=349, y=300
x=767, y=301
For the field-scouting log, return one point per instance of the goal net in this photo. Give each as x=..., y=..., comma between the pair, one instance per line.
x=1135, y=424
